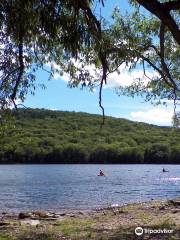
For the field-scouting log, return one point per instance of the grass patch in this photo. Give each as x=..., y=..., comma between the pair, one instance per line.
x=34, y=234
x=144, y=217
x=165, y=223
x=76, y=228
x=7, y=237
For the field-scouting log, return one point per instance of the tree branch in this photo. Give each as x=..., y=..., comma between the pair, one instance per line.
x=173, y=5
x=158, y=9
x=158, y=70
x=21, y=69
x=96, y=25
x=100, y=100
x=144, y=70
x=163, y=63
x=161, y=38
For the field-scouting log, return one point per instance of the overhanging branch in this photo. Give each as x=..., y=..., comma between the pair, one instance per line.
x=173, y=5
x=21, y=69
x=161, y=11
x=96, y=27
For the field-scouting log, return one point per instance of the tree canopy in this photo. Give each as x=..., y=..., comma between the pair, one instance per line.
x=69, y=34
x=44, y=136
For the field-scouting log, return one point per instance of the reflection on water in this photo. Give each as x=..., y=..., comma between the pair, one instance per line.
x=53, y=187
x=171, y=179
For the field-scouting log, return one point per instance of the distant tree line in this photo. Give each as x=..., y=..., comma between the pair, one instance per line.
x=44, y=136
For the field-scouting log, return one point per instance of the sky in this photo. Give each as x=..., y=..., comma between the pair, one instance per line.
x=57, y=96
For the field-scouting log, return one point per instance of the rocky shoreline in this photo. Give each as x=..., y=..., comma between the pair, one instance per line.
x=107, y=223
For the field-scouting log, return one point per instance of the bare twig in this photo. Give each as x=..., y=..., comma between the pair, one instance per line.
x=96, y=25
x=144, y=70
x=100, y=100
x=21, y=69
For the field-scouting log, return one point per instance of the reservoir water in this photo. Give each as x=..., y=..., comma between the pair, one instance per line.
x=73, y=187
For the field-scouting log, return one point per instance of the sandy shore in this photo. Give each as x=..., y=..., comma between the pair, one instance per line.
x=158, y=220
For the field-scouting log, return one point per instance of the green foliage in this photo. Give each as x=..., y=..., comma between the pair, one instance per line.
x=70, y=38
x=6, y=237
x=6, y=123
x=44, y=136
x=176, y=119
x=157, y=153
x=139, y=47
x=34, y=33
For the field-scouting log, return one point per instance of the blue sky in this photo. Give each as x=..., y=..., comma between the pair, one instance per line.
x=57, y=96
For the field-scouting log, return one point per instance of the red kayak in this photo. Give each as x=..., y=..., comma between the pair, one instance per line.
x=101, y=175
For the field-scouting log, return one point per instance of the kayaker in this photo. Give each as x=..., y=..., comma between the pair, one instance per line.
x=164, y=170
x=101, y=173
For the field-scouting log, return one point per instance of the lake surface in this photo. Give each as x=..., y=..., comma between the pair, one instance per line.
x=56, y=187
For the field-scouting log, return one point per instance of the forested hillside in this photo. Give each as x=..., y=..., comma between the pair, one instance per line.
x=44, y=136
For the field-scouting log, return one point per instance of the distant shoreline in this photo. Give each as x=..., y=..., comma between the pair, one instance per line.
x=80, y=211
x=14, y=214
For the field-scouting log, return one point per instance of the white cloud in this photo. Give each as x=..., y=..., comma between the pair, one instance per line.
x=65, y=77
x=156, y=115
x=94, y=72
x=124, y=78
